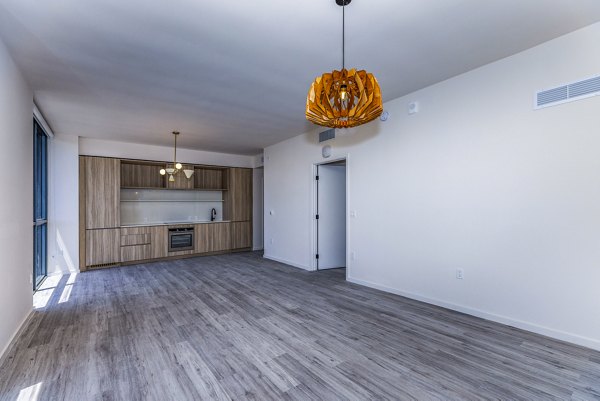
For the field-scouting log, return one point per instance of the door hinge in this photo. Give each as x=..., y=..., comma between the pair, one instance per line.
x=317, y=256
x=317, y=178
x=317, y=217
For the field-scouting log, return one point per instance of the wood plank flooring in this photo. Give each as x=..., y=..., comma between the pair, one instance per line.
x=238, y=327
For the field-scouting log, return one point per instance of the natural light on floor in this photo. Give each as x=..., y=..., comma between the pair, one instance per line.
x=66, y=294
x=30, y=393
x=72, y=278
x=64, y=297
x=43, y=295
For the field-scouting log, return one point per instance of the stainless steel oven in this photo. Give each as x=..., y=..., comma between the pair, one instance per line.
x=181, y=239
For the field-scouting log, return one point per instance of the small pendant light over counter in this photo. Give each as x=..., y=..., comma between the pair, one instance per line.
x=175, y=167
x=346, y=98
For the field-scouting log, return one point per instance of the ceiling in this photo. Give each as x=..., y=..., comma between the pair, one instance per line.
x=232, y=76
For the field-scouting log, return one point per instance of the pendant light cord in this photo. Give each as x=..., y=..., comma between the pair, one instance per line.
x=175, y=155
x=344, y=34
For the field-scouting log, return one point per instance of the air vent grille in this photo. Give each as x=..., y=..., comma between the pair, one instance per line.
x=568, y=93
x=582, y=88
x=326, y=135
x=102, y=265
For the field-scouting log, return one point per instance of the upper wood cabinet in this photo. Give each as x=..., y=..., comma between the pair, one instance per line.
x=102, y=182
x=238, y=197
x=181, y=181
x=208, y=178
x=141, y=175
x=146, y=174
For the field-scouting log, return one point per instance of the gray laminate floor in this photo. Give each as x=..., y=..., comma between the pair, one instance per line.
x=241, y=327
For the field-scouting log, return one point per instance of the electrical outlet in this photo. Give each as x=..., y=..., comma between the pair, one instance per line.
x=460, y=274
x=352, y=255
x=272, y=241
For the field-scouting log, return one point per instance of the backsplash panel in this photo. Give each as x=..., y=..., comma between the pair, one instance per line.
x=148, y=206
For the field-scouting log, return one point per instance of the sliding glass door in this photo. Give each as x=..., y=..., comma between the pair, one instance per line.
x=40, y=204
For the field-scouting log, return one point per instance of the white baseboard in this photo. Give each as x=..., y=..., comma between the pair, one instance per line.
x=15, y=335
x=287, y=262
x=534, y=328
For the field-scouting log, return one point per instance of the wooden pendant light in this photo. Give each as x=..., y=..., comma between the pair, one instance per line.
x=344, y=99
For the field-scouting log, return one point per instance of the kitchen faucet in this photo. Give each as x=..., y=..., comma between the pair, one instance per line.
x=213, y=214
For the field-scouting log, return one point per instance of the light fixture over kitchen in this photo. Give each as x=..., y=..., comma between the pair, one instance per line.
x=175, y=167
x=343, y=99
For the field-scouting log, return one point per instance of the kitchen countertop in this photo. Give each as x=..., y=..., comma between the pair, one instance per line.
x=174, y=223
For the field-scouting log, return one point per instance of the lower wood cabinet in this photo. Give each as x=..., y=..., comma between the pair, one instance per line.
x=135, y=243
x=132, y=253
x=130, y=244
x=212, y=237
x=102, y=247
x=241, y=234
x=141, y=243
x=159, y=237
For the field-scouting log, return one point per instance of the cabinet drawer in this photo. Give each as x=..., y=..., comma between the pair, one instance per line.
x=135, y=239
x=136, y=252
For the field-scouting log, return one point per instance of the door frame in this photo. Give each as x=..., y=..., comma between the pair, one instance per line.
x=314, y=208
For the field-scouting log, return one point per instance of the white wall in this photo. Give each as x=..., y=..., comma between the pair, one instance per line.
x=476, y=180
x=63, y=205
x=258, y=205
x=16, y=202
x=97, y=147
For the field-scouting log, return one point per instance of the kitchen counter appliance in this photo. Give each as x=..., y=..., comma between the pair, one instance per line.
x=181, y=239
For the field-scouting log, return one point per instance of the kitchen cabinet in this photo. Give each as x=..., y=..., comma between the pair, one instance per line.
x=159, y=239
x=102, y=177
x=212, y=237
x=102, y=247
x=181, y=181
x=208, y=178
x=238, y=197
x=142, y=243
x=141, y=175
x=135, y=244
x=241, y=234
x=102, y=183
x=238, y=206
